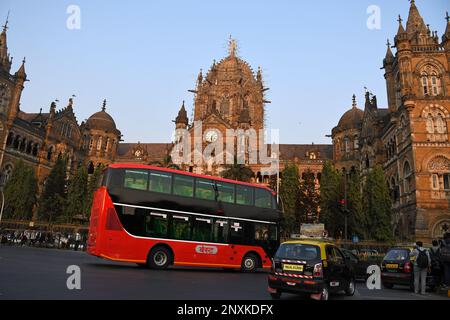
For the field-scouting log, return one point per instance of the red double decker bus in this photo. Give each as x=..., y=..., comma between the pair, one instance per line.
x=158, y=217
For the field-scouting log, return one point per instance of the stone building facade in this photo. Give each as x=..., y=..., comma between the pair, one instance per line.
x=410, y=137
x=39, y=138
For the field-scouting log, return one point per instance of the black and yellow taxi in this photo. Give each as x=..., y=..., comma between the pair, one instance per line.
x=310, y=266
x=397, y=268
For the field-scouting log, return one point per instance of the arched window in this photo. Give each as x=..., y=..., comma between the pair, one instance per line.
x=99, y=143
x=6, y=173
x=425, y=88
x=434, y=85
x=91, y=143
x=346, y=144
x=10, y=139
x=356, y=142
x=440, y=125
x=430, y=123
x=50, y=153
x=35, y=150
x=430, y=81
x=23, y=145
x=407, y=177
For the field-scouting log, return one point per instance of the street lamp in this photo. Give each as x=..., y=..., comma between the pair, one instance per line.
x=3, y=202
x=275, y=156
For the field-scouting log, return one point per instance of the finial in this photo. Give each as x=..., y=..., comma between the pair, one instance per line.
x=104, y=105
x=413, y=2
x=388, y=43
x=447, y=17
x=399, y=19
x=354, y=101
x=182, y=105
x=5, y=27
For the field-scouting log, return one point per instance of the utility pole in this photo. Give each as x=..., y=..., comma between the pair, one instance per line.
x=345, y=206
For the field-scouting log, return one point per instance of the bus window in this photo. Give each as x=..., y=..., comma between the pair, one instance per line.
x=273, y=232
x=183, y=186
x=204, y=189
x=220, y=231
x=261, y=231
x=226, y=192
x=160, y=182
x=181, y=229
x=241, y=232
x=263, y=198
x=136, y=179
x=244, y=195
x=202, y=229
x=156, y=225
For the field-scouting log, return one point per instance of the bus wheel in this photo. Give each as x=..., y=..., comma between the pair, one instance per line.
x=159, y=258
x=250, y=263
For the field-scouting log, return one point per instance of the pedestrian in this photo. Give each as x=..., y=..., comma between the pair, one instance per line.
x=436, y=264
x=445, y=258
x=422, y=263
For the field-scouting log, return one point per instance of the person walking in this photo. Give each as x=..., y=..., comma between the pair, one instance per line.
x=436, y=264
x=445, y=258
x=422, y=263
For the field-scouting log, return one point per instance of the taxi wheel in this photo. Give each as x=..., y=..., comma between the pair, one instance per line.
x=350, y=291
x=325, y=294
x=250, y=263
x=276, y=296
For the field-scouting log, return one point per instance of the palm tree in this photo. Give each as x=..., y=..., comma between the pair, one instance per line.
x=238, y=172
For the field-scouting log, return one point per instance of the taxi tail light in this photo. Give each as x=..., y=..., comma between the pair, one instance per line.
x=318, y=270
x=408, y=267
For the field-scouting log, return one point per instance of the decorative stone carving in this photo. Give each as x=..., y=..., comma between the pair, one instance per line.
x=439, y=164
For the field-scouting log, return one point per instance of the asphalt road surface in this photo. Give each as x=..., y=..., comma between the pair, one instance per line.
x=33, y=273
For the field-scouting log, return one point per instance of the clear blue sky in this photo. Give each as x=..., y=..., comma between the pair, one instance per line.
x=143, y=56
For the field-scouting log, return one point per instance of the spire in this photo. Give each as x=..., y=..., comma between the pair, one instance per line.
x=354, y=101
x=200, y=77
x=182, y=116
x=259, y=74
x=415, y=21
x=104, y=106
x=400, y=25
x=446, y=35
x=5, y=61
x=389, y=58
x=20, y=74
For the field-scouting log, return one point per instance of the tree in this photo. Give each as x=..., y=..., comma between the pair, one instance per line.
x=239, y=172
x=20, y=192
x=92, y=186
x=77, y=194
x=53, y=199
x=308, y=200
x=357, y=219
x=377, y=206
x=289, y=192
x=331, y=195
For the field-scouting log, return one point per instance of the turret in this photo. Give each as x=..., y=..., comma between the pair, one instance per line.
x=446, y=36
x=181, y=121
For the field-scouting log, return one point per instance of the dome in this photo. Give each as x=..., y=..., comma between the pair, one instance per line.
x=101, y=121
x=351, y=119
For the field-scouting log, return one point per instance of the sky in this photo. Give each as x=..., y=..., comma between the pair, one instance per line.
x=143, y=56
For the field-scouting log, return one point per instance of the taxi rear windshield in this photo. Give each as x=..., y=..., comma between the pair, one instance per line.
x=397, y=255
x=298, y=252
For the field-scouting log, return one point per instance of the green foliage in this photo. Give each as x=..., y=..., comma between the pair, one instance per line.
x=377, y=206
x=53, y=199
x=238, y=172
x=77, y=195
x=20, y=192
x=357, y=220
x=308, y=199
x=330, y=195
x=289, y=194
x=92, y=186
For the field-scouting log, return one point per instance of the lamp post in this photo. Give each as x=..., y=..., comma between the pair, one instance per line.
x=275, y=156
x=345, y=206
x=3, y=203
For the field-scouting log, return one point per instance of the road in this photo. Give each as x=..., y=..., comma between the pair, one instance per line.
x=34, y=273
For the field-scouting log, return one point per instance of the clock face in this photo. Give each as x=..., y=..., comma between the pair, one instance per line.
x=211, y=136
x=5, y=95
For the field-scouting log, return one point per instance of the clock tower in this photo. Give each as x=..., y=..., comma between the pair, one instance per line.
x=229, y=97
